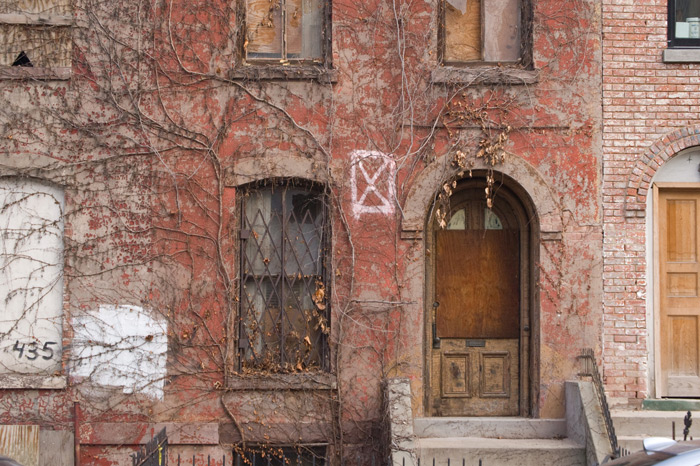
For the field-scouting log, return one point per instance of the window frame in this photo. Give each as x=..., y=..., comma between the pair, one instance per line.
x=245, y=232
x=673, y=41
x=324, y=61
x=525, y=60
x=30, y=20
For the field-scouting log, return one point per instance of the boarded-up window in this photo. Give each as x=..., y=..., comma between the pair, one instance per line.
x=31, y=277
x=284, y=30
x=481, y=30
x=20, y=443
x=35, y=33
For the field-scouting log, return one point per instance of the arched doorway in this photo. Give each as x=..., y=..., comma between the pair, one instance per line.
x=478, y=305
x=676, y=271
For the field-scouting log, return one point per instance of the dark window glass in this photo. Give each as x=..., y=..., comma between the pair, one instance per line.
x=684, y=23
x=283, y=296
x=281, y=456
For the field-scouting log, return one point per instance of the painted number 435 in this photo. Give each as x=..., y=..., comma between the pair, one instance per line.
x=31, y=350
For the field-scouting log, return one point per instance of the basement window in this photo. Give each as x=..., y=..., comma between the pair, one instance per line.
x=487, y=31
x=284, y=306
x=35, y=38
x=271, y=455
x=284, y=31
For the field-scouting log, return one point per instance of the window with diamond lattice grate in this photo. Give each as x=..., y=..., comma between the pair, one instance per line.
x=284, y=312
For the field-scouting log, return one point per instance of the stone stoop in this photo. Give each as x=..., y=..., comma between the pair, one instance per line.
x=496, y=442
x=578, y=440
x=632, y=427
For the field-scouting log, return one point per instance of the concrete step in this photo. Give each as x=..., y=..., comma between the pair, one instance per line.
x=468, y=451
x=630, y=442
x=632, y=427
x=650, y=423
x=489, y=427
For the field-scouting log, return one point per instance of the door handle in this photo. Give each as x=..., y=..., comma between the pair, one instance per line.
x=436, y=339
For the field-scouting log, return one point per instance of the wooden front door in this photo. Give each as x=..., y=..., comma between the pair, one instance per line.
x=475, y=341
x=678, y=303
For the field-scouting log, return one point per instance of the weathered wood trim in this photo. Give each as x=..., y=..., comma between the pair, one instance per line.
x=675, y=185
x=658, y=388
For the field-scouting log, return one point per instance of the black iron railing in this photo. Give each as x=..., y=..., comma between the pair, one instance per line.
x=154, y=453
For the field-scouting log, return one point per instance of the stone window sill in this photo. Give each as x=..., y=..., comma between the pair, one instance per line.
x=284, y=73
x=682, y=55
x=35, y=73
x=484, y=75
x=300, y=381
x=32, y=382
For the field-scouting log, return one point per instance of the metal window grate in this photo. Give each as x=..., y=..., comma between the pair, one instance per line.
x=284, y=311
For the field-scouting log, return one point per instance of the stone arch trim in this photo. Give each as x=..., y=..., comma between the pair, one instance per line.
x=421, y=196
x=639, y=180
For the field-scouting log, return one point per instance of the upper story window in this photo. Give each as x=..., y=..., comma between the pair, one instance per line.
x=282, y=31
x=36, y=37
x=284, y=305
x=684, y=23
x=486, y=31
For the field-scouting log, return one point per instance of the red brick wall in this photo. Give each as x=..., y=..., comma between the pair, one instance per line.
x=647, y=104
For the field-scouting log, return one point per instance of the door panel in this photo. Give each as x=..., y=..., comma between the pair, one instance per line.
x=478, y=284
x=476, y=381
x=495, y=374
x=679, y=311
x=455, y=374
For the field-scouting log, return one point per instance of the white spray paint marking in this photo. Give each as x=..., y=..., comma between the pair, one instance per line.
x=372, y=179
x=122, y=346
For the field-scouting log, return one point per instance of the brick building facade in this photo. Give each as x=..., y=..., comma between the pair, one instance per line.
x=651, y=85
x=237, y=219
